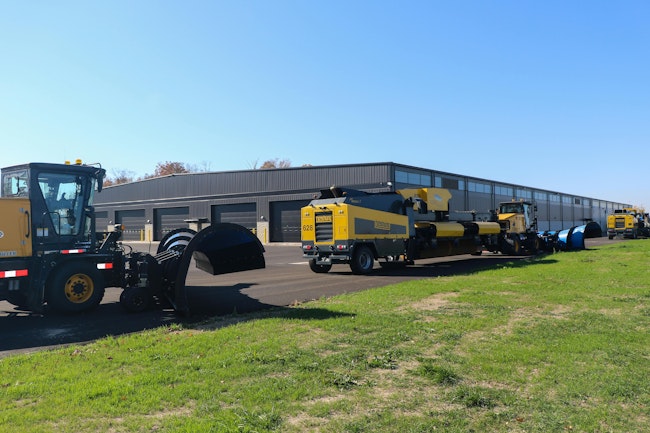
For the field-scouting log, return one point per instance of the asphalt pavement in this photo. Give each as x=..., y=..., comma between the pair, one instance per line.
x=286, y=280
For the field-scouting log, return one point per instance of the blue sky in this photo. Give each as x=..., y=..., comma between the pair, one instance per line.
x=549, y=94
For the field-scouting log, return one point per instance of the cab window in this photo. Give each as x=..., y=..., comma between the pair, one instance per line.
x=64, y=195
x=14, y=184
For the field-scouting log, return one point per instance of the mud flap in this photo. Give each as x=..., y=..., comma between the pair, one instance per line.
x=218, y=249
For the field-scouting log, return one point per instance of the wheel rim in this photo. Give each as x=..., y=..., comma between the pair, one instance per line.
x=365, y=261
x=79, y=288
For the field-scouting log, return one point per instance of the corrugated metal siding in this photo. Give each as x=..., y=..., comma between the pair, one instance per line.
x=498, y=198
x=567, y=213
x=481, y=203
x=543, y=222
x=457, y=203
x=200, y=191
x=247, y=182
x=578, y=214
x=555, y=216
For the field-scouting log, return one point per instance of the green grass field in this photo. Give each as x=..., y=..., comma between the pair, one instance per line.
x=559, y=343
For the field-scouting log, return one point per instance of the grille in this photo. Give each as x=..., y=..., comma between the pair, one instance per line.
x=620, y=223
x=324, y=227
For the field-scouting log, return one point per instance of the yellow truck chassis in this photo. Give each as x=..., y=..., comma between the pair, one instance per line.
x=352, y=227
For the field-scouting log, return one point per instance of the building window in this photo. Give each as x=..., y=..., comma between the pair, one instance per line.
x=479, y=187
x=503, y=190
x=419, y=179
x=412, y=178
x=524, y=194
x=540, y=196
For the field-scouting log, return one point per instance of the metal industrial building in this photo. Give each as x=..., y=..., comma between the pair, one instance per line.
x=268, y=201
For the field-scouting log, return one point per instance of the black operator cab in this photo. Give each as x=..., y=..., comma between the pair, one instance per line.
x=61, y=199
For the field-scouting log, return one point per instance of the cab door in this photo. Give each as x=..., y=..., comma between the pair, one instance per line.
x=15, y=228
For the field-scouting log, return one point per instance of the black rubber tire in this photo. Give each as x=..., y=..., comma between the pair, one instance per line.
x=511, y=246
x=533, y=246
x=75, y=287
x=362, y=261
x=319, y=269
x=135, y=299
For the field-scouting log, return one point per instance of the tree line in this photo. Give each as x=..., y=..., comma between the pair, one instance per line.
x=119, y=176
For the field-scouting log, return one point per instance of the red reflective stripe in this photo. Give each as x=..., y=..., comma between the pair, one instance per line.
x=72, y=251
x=13, y=274
x=104, y=266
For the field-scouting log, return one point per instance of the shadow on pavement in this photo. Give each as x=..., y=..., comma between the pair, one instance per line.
x=24, y=331
x=456, y=267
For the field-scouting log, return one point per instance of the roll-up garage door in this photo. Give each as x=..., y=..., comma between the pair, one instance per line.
x=285, y=220
x=168, y=219
x=244, y=214
x=101, y=221
x=133, y=222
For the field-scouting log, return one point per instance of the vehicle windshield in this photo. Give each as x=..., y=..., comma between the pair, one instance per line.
x=64, y=198
x=511, y=208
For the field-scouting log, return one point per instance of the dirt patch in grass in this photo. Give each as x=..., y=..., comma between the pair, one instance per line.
x=435, y=302
x=383, y=391
x=116, y=424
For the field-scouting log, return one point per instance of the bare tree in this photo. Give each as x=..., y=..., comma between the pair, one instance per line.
x=119, y=176
x=276, y=163
x=202, y=167
x=166, y=168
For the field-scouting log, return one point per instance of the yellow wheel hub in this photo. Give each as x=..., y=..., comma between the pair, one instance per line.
x=79, y=288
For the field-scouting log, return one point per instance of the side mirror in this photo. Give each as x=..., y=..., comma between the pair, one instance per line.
x=101, y=173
